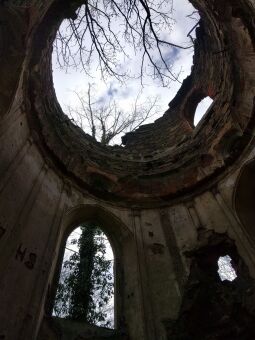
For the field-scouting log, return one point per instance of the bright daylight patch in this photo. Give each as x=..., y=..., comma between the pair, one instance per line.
x=226, y=271
x=201, y=109
x=124, y=79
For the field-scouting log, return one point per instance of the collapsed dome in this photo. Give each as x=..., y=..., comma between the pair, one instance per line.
x=168, y=158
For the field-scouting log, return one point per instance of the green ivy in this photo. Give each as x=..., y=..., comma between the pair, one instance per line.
x=86, y=283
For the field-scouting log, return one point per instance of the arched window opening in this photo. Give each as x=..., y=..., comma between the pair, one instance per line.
x=85, y=290
x=201, y=109
x=226, y=270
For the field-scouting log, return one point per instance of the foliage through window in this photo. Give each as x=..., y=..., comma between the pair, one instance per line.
x=86, y=286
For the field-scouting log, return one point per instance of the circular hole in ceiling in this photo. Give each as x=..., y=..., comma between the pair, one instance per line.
x=126, y=91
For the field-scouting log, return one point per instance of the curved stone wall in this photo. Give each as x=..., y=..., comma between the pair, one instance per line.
x=169, y=205
x=148, y=172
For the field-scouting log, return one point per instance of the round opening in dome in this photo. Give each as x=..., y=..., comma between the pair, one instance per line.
x=116, y=68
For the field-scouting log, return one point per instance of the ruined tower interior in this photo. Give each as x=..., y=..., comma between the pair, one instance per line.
x=172, y=201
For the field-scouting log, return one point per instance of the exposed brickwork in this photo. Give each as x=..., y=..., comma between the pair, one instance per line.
x=223, y=59
x=169, y=201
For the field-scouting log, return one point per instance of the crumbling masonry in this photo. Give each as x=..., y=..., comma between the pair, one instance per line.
x=172, y=201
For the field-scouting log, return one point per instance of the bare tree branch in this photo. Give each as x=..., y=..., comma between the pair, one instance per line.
x=105, y=121
x=103, y=29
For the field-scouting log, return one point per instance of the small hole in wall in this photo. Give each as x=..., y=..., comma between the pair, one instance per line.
x=226, y=270
x=201, y=109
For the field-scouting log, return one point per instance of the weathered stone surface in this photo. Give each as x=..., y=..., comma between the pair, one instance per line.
x=214, y=309
x=167, y=206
